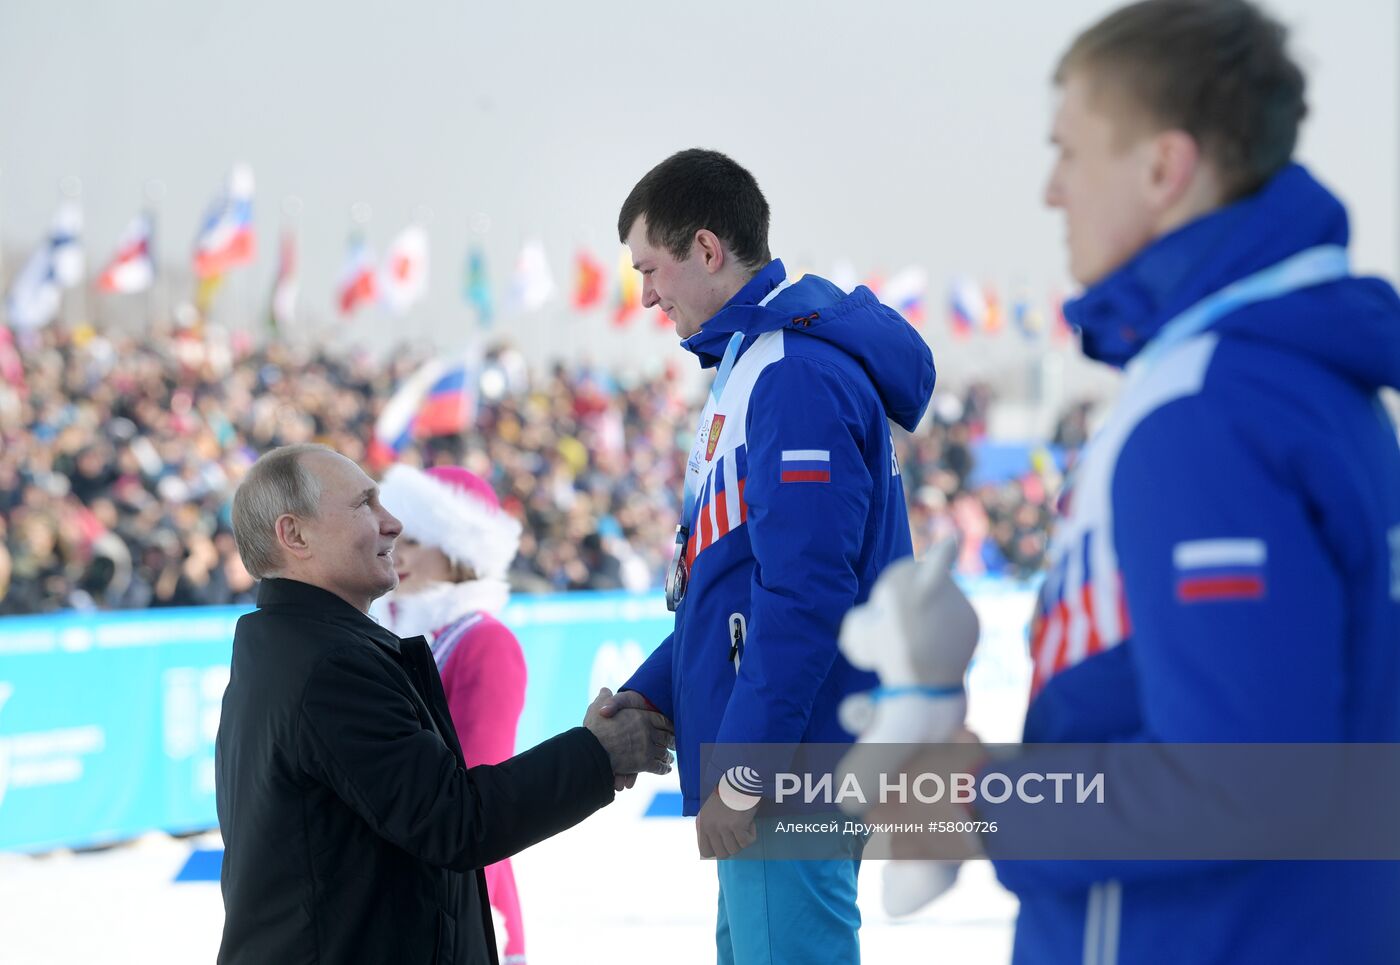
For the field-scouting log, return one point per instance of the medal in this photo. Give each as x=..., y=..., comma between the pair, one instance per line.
x=679, y=574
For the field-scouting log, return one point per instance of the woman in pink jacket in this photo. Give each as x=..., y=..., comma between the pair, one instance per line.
x=452, y=558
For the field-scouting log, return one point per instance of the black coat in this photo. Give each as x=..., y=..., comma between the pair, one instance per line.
x=353, y=830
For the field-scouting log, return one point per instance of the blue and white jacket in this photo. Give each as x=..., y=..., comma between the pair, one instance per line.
x=800, y=507
x=1227, y=569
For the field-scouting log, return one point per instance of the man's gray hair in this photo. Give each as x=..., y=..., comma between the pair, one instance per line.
x=277, y=484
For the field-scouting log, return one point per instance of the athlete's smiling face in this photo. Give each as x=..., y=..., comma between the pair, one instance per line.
x=690, y=290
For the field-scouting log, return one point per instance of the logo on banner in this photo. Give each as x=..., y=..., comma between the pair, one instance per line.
x=716, y=427
x=740, y=788
x=613, y=664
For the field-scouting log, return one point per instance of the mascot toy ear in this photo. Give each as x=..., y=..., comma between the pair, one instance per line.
x=873, y=635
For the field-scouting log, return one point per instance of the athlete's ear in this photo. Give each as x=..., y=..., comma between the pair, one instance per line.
x=1172, y=165
x=710, y=250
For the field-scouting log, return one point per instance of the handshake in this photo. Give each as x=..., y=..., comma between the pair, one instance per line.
x=636, y=738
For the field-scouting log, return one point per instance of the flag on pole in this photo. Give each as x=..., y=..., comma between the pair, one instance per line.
x=226, y=238
x=437, y=399
x=629, y=290
x=992, y=320
x=588, y=280
x=966, y=307
x=905, y=293
x=1025, y=316
x=357, y=279
x=404, y=279
x=478, y=287
x=133, y=267
x=204, y=291
x=449, y=406
x=532, y=285
x=283, y=310
x=37, y=291
x=66, y=244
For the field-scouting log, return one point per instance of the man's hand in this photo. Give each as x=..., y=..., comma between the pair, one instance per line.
x=963, y=754
x=722, y=831
x=636, y=740
x=624, y=700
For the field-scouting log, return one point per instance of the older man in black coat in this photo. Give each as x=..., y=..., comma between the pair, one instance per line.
x=353, y=830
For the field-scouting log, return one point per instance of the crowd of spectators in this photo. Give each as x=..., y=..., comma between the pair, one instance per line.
x=119, y=456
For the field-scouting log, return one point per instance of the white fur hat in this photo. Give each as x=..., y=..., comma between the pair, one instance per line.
x=456, y=511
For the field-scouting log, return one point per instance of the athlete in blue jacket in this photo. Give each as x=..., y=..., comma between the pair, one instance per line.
x=1227, y=568
x=793, y=506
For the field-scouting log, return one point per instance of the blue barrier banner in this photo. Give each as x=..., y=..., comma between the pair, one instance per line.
x=108, y=720
x=574, y=644
x=107, y=724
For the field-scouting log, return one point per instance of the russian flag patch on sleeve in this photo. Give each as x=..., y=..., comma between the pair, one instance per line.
x=806, y=465
x=1210, y=570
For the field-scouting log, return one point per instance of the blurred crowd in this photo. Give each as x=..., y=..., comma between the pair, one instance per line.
x=119, y=456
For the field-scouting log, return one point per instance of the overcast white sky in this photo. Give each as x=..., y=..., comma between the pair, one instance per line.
x=882, y=132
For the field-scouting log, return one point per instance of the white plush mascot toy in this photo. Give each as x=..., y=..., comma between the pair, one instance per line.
x=917, y=631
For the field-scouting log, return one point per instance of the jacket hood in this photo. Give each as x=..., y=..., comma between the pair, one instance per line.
x=1355, y=331
x=894, y=355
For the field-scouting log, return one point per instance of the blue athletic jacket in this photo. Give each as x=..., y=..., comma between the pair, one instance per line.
x=800, y=507
x=1227, y=569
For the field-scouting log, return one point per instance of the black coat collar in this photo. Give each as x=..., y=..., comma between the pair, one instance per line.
x=313, y=600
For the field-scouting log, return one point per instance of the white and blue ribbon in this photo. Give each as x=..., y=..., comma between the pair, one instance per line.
x=1312, y=266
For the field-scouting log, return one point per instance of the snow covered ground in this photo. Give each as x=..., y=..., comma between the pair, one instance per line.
x=619, y=888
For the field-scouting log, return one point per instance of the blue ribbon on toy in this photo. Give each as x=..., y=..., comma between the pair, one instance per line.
x=880, y=693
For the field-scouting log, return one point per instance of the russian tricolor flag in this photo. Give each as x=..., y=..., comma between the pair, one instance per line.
x=450, y=405
x=806, y=465
x=905, y=293
x=226, y=238
x=1210, y=570
x=437, y=400
x=967, y=307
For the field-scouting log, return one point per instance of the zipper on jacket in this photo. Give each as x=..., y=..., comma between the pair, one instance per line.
x=738, y=630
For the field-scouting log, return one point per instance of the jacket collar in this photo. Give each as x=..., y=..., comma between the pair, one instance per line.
x=740, y=314
x=315, y=601
x=1120, y=314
